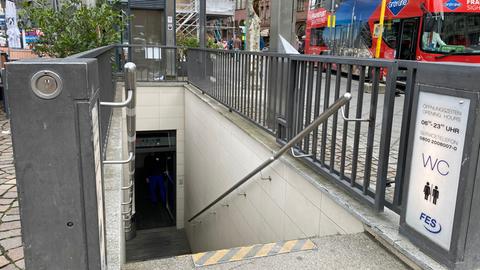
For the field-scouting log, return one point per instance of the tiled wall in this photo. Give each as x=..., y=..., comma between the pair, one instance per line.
x=217, y=155
x=162, y=108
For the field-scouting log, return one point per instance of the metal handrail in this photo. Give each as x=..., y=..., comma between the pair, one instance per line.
x=318, y=121
x=119, y=104
x=128, y=183
x=354, y=119
x=131, y=157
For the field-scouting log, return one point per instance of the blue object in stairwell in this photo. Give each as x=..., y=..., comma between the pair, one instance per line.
x=156, y=184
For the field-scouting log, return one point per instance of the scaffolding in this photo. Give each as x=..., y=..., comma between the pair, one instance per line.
x=219, y=12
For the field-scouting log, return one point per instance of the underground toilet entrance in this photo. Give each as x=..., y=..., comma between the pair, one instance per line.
x=155, y=199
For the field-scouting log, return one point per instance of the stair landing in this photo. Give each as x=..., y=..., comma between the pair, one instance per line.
x=355, y=251
x=156, y=244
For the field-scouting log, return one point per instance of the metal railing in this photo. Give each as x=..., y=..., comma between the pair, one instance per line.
x=252, y=84
x=128, y=183
x=154, y=63
x=359, y=149
x=322, y=118
x=354, y=151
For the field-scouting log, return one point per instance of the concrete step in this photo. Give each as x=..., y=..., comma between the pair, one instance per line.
x=355, y=251
x=156, y=244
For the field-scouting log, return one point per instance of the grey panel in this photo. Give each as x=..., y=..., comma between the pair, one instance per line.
x=53, y=150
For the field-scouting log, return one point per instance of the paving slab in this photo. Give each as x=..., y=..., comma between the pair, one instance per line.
x=10, y=236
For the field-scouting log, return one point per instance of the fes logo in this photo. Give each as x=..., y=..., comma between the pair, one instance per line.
x=396, y=6
x=430, y=224
x=452, y=4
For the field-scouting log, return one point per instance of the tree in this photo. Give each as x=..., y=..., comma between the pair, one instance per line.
x=253, y=25
x=73, y=28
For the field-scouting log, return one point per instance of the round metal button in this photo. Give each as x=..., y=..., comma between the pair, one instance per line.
x=46, y=84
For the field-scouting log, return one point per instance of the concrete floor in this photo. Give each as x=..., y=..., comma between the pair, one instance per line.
x=356, y=251
x=157, y=243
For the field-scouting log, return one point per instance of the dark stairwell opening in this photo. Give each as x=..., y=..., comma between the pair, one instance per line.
x=155, y=199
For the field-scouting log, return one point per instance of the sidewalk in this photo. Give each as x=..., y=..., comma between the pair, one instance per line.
x=11, y=250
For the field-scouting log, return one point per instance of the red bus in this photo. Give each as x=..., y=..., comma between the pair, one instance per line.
x=316, y=23
x=424, y=30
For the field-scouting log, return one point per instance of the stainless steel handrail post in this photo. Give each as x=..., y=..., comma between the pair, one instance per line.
x=130, y=85
x=130, y=76
x=318, y=121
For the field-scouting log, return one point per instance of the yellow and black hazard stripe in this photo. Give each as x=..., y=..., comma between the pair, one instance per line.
x=250, y=252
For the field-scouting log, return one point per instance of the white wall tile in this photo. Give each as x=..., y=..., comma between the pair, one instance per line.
x=171, y=111
x=171, y=123
x=341, y=217
x=147, y=124
x=163, y=109
x=328, y=227
x=291, y=230
x=147, y=99
x=148, y=111
x=301, y=211
x=217, y=154
x=303, y=186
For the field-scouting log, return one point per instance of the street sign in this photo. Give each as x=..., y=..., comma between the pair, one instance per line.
x=436, y=162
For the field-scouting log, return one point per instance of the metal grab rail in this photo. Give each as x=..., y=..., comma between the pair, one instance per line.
x=119, y=104
x=319, y=120
x=131, y=155
x=128, y=183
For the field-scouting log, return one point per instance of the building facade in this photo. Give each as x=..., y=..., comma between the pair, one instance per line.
x=219, y=25
x=265, y=16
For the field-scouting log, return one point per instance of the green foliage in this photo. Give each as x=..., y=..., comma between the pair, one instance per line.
x=73, y=28
x=187, y=41
x=193, y=42
x=212, y=45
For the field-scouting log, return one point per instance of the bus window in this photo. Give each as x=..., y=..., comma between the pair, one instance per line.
x=316, y=37
x=326, y=4
x=390, y=33
x=365, y=36
x=451, y=33
x=314, y=4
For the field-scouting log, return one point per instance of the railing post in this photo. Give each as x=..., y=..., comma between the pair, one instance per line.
x=385, y=137
x=56, y=130
x=290, y=99
x=128, y=183
x=411, y=74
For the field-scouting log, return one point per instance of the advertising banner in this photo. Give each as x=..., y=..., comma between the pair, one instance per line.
x=13, y=33
x=32, y=36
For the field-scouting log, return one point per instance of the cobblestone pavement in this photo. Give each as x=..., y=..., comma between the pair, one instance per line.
x=11, y=250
